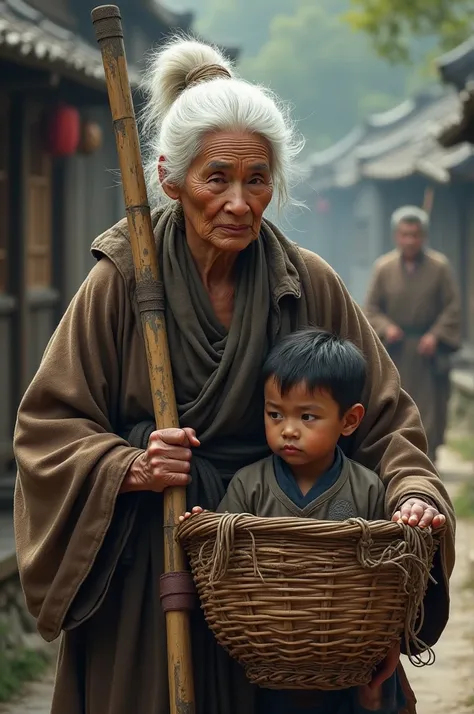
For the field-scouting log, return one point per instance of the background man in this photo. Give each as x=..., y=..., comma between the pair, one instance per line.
x=413, y=304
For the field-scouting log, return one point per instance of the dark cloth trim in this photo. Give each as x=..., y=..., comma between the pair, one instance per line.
x=177, y=592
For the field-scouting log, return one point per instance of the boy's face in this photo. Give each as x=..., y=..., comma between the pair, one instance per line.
x=304, y=427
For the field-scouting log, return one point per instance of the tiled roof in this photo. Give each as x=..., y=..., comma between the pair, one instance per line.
x=424, y=121
x=27, y=33
x=457, y=66
x=462, y=128
x=416, y=148
x=422, y=156
x=374, y=128
x=405, y=148
x=338, y=150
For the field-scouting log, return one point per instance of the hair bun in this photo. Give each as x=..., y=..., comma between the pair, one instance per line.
x=177, y=65
x=204, y=73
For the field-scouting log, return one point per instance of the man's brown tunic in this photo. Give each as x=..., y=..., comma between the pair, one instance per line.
x=425, y=300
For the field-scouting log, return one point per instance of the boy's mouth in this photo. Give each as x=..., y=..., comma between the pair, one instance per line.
x=291, y=449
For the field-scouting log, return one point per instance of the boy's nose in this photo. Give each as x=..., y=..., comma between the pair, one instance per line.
x=290, y=431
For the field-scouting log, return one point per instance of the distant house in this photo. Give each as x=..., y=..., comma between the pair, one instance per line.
x=47, y=202
x=457, y=69
x=51, y=207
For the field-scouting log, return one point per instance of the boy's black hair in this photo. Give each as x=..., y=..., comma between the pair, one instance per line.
x=319, y=360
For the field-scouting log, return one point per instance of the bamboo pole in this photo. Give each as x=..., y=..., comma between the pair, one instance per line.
x=176, y=584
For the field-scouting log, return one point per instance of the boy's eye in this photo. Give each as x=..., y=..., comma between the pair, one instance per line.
x=274, y=415
x=308, y=417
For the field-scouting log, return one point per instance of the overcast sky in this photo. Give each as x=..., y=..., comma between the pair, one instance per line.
x=180, y=5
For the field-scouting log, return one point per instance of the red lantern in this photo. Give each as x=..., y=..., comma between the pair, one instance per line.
x=63, y=130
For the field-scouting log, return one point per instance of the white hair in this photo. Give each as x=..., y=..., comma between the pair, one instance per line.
x=175, y=117
x=410, y=214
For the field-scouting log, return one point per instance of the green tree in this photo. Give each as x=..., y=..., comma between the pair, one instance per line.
x=392, y=25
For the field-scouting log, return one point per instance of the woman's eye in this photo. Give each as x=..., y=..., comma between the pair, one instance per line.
x=256, y=180
x=216, y=179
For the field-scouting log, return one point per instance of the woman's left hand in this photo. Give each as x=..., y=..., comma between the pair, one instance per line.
x=384, y=670
x=415, y=512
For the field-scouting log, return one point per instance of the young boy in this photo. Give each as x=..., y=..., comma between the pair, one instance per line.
x=313, y=383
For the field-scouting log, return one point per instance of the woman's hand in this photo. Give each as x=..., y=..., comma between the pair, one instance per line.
x=194, y=512
x=415, y=512
x=166, y=462
x=386, y=668
x=370, y=696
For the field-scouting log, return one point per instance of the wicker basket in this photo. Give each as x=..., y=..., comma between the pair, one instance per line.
x=306, y=604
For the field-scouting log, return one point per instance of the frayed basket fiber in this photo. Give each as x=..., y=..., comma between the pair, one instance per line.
x=306, y=604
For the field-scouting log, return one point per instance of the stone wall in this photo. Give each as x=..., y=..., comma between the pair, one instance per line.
x=17, y=626
x=24, y=656
x=462, y=401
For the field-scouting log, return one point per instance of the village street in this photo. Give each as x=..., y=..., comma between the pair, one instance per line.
x=238, y=170
x=447, y=687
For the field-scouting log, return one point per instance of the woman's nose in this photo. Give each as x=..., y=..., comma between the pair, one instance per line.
x=236, y=202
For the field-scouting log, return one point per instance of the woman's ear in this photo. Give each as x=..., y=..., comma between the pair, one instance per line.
x=162, y=169
x=352, y=419
x=170, y=189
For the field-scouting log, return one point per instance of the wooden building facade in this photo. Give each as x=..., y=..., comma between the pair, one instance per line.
x=51, y=207
x=457, y=70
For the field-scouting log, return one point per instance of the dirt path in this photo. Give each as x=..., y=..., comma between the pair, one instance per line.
x=447, y=687
x=36, y=700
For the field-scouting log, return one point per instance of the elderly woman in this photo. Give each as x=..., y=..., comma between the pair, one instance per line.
x=91, y=470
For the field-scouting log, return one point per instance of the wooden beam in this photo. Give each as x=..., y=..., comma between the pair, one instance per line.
x=45, y=65
x=33, y=83
x=59, y=228
x=18, y=249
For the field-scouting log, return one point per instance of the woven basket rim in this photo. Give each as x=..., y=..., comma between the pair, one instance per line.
x=305, y=557
x=204, y=524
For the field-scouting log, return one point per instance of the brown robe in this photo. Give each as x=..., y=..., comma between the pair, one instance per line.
x=418, y=302
x=90, y=560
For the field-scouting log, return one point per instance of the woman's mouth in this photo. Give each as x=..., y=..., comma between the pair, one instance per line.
x=235, y=229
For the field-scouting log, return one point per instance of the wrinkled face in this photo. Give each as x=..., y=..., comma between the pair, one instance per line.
x=227, y=189
x=409, y=237
x=304, y=427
